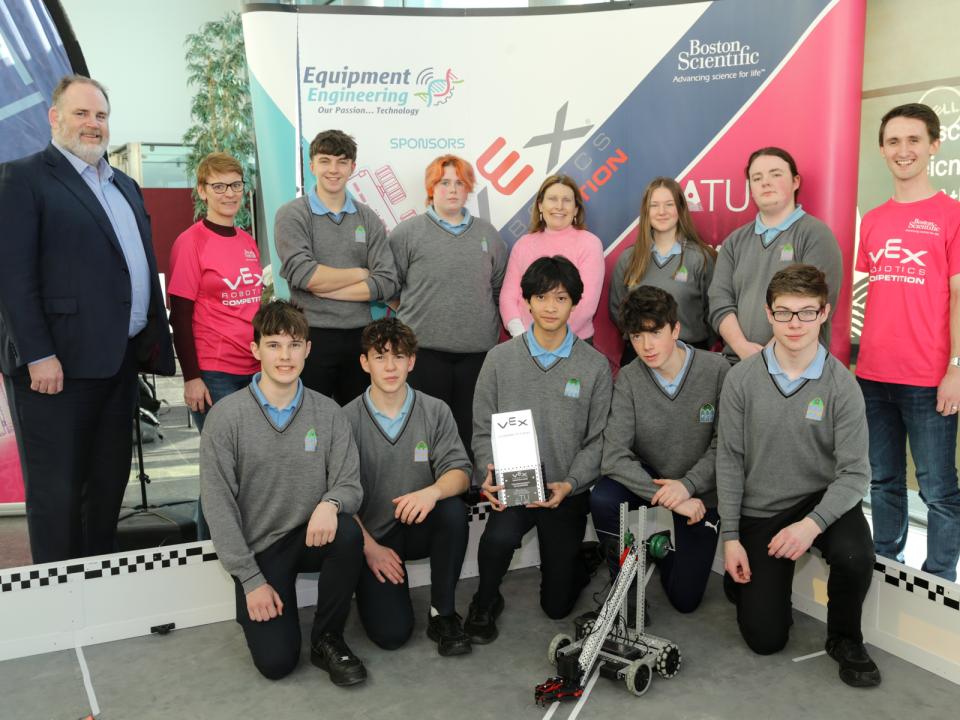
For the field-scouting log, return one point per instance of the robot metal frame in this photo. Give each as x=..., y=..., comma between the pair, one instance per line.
x=626, y=654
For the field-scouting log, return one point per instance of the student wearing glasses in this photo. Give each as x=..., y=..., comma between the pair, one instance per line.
x=792, y=469
x=215, y=286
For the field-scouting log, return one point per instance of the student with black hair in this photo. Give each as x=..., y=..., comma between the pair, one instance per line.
x=566, y=384
x=660, y=443
x=413, y=469
x=281, y=482
x=336, y=258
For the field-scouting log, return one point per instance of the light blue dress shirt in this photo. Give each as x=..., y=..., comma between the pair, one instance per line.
x=318, y=208
x=546, y=358
x=769, y=234
x=662, y=259
x=670, y=387
x=279, y=416
x=391, y=426
x=455, y=229
x=813, y=371
x=124, y=223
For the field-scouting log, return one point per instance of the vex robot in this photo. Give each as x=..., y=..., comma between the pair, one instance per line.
x=624, y=654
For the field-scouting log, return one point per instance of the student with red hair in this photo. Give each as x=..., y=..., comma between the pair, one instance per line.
x=450, y=266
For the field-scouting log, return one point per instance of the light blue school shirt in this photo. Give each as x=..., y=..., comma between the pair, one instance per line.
x=769, y=234
x=813, y=371
x=670, y=387
x=546, y=358
x=279, y=416
x=391, y=426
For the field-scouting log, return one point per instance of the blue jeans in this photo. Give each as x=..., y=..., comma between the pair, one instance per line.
x=894, y=414
x=219, y=384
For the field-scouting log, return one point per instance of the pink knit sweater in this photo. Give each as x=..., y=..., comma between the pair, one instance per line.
x=582, y=248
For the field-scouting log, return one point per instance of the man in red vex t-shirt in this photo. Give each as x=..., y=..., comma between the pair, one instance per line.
x=909, y=361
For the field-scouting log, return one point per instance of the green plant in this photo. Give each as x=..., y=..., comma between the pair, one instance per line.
x=221, y=111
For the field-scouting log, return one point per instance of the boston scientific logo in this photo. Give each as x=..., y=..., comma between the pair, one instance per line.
x=720, y=60
x=385, y=92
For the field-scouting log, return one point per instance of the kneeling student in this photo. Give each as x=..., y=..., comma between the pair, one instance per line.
x=792, y=469
x=660, y=444
x=413, y=468
x=281, y=481
x=566, y=384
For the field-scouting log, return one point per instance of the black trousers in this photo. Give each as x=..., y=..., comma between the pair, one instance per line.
x=563, y=573
x=684, y=573
x=75, y=451
x=333, y=365
x=275, y=644
x=764, y=611
x=452, y=377
x=385, y=609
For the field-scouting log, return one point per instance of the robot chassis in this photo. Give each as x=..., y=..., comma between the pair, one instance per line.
x=623, y=653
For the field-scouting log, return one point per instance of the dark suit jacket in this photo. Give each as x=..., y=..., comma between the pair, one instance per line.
x=64, y=283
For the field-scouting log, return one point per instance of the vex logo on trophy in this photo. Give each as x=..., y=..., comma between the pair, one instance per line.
x=516, y=458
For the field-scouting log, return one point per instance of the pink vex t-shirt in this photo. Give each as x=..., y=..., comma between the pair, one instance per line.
x=910, y=251
x=222, y=276
x=580, y=247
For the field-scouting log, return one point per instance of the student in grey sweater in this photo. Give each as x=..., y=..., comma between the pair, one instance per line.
x=566, y=384
x=280, y=481
x=782, y=234
x=670, y=255
x=413, y=468
x=450, y=267
x=659, y=446
x=336, y=259
x=792, y=469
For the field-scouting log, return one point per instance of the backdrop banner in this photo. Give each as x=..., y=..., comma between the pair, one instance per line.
x=611, y=95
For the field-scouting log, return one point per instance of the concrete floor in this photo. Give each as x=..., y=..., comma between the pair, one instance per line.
x=206, y=673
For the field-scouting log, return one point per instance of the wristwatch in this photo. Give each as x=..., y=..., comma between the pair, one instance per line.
x=332, y=501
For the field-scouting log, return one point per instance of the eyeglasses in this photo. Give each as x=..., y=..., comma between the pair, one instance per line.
x=221, y=188
x=805, y=315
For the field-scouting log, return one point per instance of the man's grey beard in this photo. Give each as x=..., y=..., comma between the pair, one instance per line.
x=90, y=154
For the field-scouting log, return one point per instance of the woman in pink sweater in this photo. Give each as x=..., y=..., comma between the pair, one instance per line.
x=557, y=227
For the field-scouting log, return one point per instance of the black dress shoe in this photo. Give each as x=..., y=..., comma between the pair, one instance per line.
x=856, y=667
x=331, y=653
x=481, y=626
x=447, y=633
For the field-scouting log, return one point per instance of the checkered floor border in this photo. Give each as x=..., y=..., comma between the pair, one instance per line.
x=941, y=593
x=127, y=563
x=476, y=513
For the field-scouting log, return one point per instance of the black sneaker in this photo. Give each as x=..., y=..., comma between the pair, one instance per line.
x=330, y=652
x=481, y=626
x=447, y=633
x=856, y=667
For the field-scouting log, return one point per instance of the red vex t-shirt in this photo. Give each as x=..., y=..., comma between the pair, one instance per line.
x=222, y=276
x=910, y=251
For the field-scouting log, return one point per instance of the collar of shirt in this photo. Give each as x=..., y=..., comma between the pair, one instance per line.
x=675, y=250
x=545, y=357
x=671, y=386
x=103, y=169
x=465, y=220
x=318, y=208
x=813, y=371
x=769, y=234
x=280, y=416
x=390, y=425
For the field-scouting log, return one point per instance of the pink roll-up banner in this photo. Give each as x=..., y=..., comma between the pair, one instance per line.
x=11, y=479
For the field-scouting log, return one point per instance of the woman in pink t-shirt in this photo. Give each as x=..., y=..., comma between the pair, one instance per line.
x=215, y=286
x=557, y=227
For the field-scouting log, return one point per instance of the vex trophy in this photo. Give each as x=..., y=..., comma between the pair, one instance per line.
x=516, y=458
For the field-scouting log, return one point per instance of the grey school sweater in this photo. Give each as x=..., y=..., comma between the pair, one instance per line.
x=450, y=284
x=258, y=483
x=570, y=402
x=688, y=286
x=305, y=240
x=673, y=437
x=744, y=269
x=427, y=446
x=775, y=450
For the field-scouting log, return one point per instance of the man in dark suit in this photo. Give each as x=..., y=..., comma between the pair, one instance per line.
x=81, y=312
